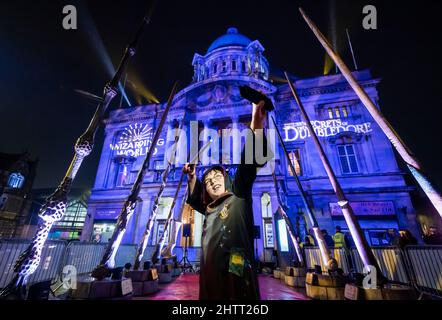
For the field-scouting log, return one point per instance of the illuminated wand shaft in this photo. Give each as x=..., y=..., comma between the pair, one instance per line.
x=108, y=259
x=147, y=231
x=404, y=152
x=362, y=245
x=282, y=211
x=168, y=250
x=160, y=243
x=55, y=205
x=327, y=258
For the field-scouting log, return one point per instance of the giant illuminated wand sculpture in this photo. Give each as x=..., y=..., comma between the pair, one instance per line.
x=147, y=231
x=160, y=244
x=108, y=259
x=327, y=258
x=361, y=243
x=402, y=149
x=55, y=206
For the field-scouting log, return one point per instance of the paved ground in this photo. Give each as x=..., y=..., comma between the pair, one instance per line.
x=185, y=287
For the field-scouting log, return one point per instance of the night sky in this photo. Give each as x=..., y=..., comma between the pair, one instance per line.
x=41, y=64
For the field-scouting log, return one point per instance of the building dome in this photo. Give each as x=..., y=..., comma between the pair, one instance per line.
x=231, y=38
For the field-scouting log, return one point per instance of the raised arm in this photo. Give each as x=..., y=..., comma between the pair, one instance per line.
x=247, y=170
x=195, y=189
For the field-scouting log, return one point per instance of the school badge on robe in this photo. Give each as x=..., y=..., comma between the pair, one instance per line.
x=237, y=262
x=224, y=213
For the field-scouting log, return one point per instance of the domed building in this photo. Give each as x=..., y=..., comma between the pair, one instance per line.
x=211, y=106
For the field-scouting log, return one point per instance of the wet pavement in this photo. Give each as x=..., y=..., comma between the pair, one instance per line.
x=185, y=287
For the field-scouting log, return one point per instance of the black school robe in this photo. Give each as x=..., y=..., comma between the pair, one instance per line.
x=228, y=227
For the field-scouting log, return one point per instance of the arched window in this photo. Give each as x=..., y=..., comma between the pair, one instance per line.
x=266, y=206
x=266, y=209
x=16, y=180
x=122, y=175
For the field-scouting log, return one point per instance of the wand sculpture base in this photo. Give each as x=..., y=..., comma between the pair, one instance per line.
x=295, y=277
x=387, y=292
x=106, y=289
x=325, y=286
x=166, y=272
x=144, y=282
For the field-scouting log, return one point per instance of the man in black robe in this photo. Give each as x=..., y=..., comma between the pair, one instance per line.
x=227, y=265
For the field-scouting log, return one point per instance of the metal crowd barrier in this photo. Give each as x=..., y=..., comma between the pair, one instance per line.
x=49, y=268
x=426, y=264
x=420, y=266
x=84, y=256
x=313, y=258
x=391, y=260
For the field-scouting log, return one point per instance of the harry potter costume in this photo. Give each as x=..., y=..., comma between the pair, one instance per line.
x=227, y=258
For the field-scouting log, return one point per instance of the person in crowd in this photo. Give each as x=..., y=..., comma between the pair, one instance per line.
x=341, y=240
x=405, y=239
x=311, y=238
x=432, y=236
x=328, y=238
x=392, y=237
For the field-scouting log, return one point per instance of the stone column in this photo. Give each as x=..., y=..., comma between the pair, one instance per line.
x=105, y=166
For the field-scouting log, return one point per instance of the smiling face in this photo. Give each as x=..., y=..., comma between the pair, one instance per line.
x=214, y=183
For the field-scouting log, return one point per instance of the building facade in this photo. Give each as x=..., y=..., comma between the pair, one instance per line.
x=359, y=152
x=17, y=174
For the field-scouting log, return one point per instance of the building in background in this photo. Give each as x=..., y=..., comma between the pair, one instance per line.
x=71, y=225
x=359, y=152
x=17, y=174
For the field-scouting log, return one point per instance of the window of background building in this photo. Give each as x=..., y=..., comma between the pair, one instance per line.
x=266, y=210
x=234, y=65
x=158, y=164
x=16, y=180
x=73, y=220
x=160, y=230
x=282, y=233
x=103, y=231
x=347, y=158
x=330, y=113
x=338, y=112
x=215, y=67
x=295, y=158
x=122, y=175
x=243, y=66
x=224, y=66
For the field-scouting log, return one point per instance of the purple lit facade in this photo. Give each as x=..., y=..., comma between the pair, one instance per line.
x=360, y=154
